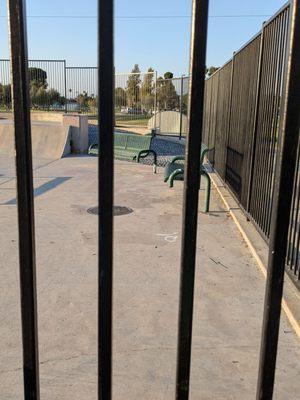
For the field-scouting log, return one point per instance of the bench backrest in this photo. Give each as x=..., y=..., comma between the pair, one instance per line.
x=136, y=142
x=120, y=140
x=131, y=142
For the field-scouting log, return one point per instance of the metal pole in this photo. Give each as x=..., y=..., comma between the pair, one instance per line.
x=20, y=91
x=105, y=188
x=191, y=195
x=283, y=191
x=155, y=99
x=65, y=83
x=181, y=104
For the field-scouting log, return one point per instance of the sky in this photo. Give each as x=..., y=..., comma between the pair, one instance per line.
x=160, y=43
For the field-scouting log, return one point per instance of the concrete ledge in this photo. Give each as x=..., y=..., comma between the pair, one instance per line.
x=79, y=132
x=35, y=115
x=259, y=250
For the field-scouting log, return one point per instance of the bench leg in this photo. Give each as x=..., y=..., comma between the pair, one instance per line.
x=207, y=192
x=175, y=173
x=145, y=153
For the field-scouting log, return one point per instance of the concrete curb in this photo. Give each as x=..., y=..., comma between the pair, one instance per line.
x=236, y=213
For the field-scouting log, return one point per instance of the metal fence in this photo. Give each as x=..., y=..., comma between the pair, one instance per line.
x=82, y=90
x=241, y=123
x=141, y=99
x=282, y=186
x=47, y=88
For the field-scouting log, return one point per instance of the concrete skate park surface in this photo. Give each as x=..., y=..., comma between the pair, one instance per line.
x=229, y=291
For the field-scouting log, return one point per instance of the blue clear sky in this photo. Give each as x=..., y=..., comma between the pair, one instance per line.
x=160, y=43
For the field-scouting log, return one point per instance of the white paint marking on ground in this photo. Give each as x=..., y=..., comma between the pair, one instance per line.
x=169, y=237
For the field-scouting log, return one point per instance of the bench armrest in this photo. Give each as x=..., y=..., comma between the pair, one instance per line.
x=145, y=153
x=177, y=158
x=203, y=154
x=93, y=146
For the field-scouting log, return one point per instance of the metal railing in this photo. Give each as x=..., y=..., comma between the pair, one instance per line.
x=286, y=149
x=243, y=102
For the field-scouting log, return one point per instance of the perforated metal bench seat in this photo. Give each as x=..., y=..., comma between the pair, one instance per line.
x=129, y=147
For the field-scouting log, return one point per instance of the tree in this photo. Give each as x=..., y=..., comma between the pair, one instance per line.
x=147, y=89
x=120, y=97
x=5, y=95
x=167, y=97
x=168, y=75
x=37, y=76
x=185, y=103
x=54, y=96
x=133, y=88
x=86, y=102
x=33, y=89
x=82, y=99
x=211, y=70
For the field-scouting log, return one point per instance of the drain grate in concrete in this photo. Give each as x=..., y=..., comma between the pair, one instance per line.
x=118, y=210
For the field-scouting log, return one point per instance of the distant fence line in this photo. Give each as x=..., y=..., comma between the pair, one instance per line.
x=242, y=105
x=54, y=86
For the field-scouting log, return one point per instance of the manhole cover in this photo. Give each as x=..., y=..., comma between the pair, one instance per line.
x=118, y=210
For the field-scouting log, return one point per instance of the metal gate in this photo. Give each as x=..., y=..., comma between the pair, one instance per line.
x=283, y=183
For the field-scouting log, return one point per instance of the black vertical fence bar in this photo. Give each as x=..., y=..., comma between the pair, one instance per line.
x=284, y=179
x=106, y=173
x=191, y=195
x=282, y=39
x=65, y=86
x=255, y=126
x=181, y=107
x=19, y=68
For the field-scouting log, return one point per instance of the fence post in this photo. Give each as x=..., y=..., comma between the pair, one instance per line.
x=65, y=83
x=229, y=112
x=283, y=192
x=191, y=196
x=106, y=87
x=155, y=98
x=27, y=255
x=181, y=108
x=255, y=127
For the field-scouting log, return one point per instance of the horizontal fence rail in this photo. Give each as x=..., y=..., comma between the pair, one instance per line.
x=241, y=126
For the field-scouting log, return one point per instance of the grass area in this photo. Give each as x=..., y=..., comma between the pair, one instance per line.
x=133, y=122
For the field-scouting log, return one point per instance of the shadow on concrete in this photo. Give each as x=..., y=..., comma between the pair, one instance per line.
x=46, y=187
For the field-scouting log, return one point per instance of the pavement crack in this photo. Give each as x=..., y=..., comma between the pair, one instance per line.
x=218, y=263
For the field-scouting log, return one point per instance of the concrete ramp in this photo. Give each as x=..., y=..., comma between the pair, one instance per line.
x=50, y=140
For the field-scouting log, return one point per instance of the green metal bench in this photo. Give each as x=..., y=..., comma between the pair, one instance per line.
x=130, y=147
x=174, y=170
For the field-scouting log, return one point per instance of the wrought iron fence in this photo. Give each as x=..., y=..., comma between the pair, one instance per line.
x=241, y=123
x=282, y=187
